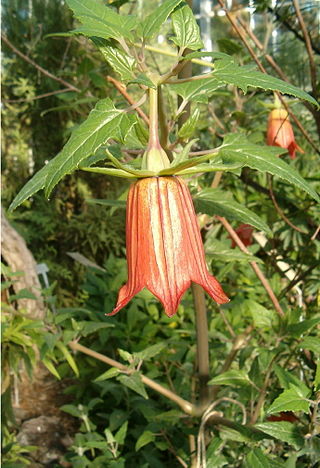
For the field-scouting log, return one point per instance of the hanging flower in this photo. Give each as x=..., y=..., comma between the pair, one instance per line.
x=245, y=232
x=164, y=246
x=280, y=132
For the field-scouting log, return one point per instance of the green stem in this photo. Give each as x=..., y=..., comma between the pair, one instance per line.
x=153, y=119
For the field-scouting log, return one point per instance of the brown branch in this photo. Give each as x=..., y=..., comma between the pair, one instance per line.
x=254, y=265
x=40, y=96
x=313, y=71
x=263, y=393
x=260, y=46
x=122, y=89
x=38, y=67
x=185, y=405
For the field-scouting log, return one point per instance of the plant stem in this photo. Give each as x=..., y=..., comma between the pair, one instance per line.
x=185, y=405
x=153, y=119
x=202, y=342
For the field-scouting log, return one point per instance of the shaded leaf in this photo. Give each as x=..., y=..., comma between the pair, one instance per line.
x=236, y=149
x=297, y=329
x=121, y=433
x=198, y=90
x=134, y=382
x=311, y=343
x=145, y=438
x=244, y=76
x=188, y=128
x=215, y=202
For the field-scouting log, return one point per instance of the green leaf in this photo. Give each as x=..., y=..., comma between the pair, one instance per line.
x=244, y=76
x=312, y=343
x=216, y=202
x=188, y=128
x=257, y=459
x=36, y=183
x=288, y=380
x=106, y=23
x=316, y=383
x=104, y=122
x=196, y=168
x=151, y=351
x=51, y=368
x=22, y=294
x=186, y=29
x=237, y=149
x=231, y=255
x=152, y=24
x=86, y=328
x=289, y=400
x=215, y=55
x=110, y=171
x=262, y=317
x=121, y=433
x=284, y=431
x=231, y=377
x=297, y=329
x=122, y=63
x=109, y=374
x=198, y=90
x=125, y=355
x=144, y=80
x=115, y=203
x=71, y=409
x=134, y=382
x=68, y=357
x=145, y=438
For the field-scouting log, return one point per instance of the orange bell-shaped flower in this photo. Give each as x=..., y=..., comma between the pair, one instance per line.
x=280, y=132
x=164, y=247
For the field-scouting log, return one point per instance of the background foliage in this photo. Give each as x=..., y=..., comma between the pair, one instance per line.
x=264, y=371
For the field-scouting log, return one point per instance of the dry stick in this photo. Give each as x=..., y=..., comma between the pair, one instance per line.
x=38, y=67
x=122, y=89
x=40, y=96
x=268, y=57
x=263, y=70
x=185, y=405
x=313, y=71
x=254, y=265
